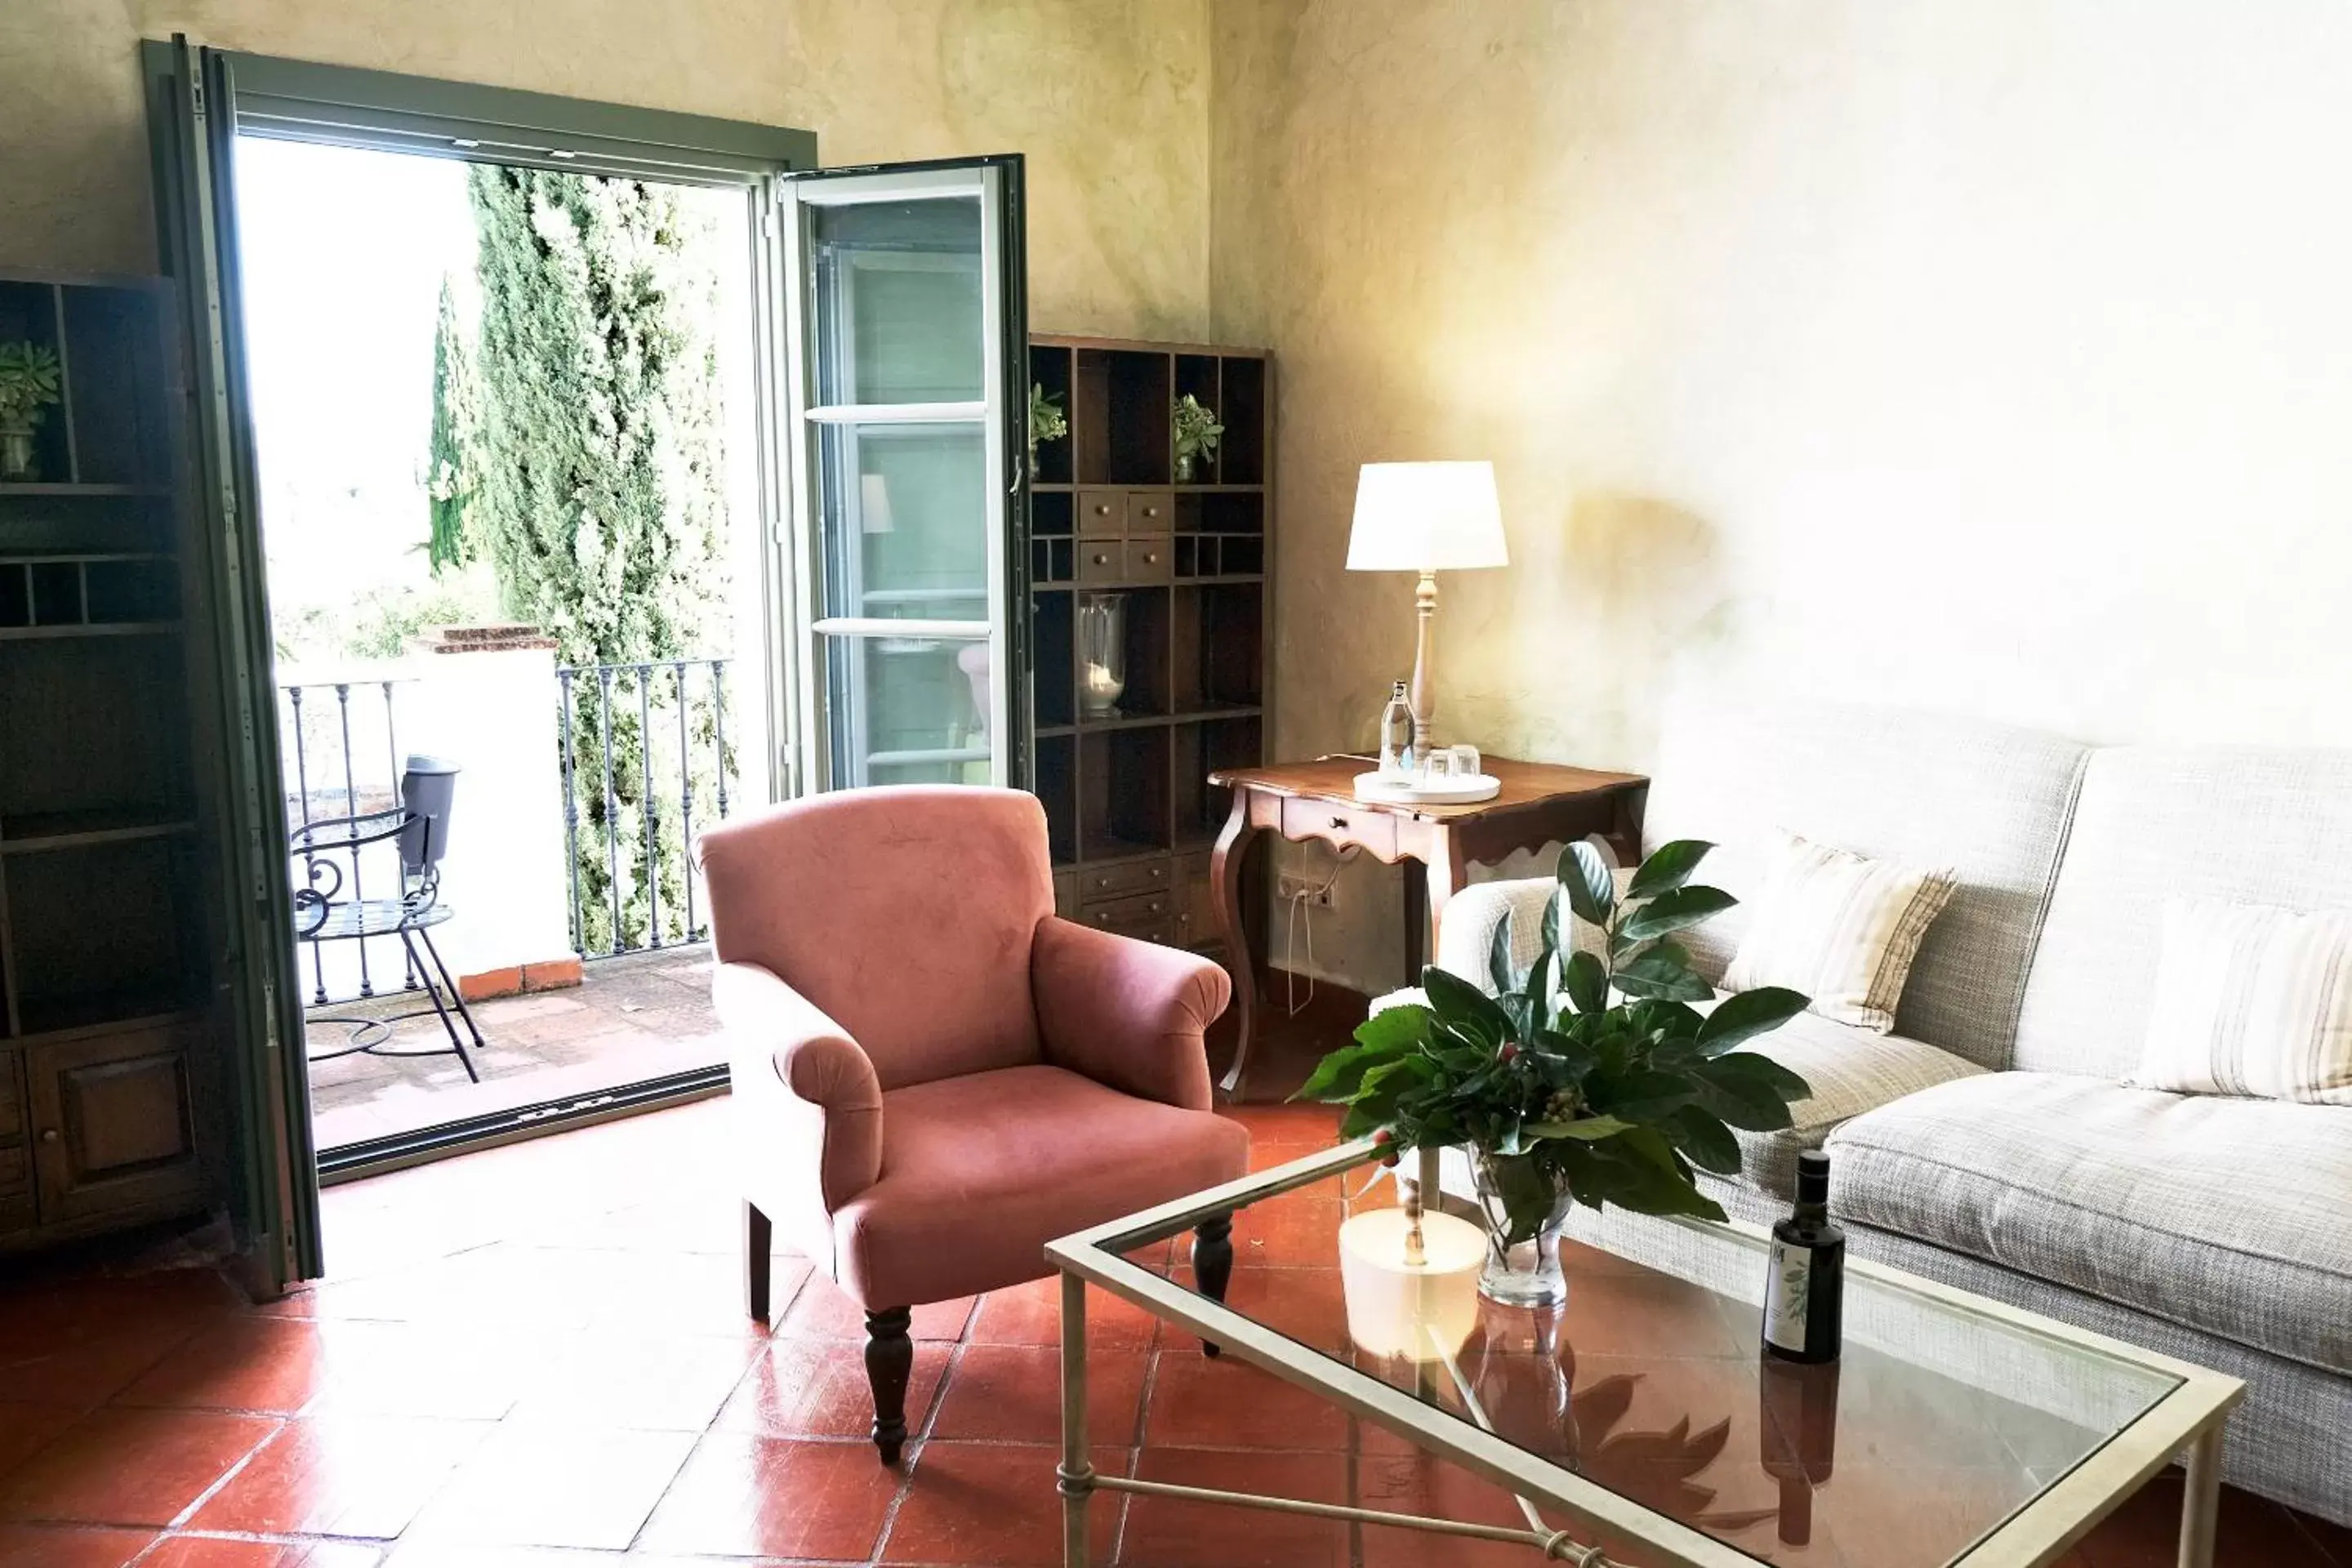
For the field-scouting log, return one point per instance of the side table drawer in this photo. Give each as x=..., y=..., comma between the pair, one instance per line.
x=1375, y=830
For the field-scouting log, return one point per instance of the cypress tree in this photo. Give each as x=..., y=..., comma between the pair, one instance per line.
x=600, y=497
x=452, y=460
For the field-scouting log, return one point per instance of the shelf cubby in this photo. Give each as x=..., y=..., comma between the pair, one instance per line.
x=1123, y=792
x=1057, y=790
x=1242, y=450
x=31, y=313
x=1200, y=748
x=1053, y=681
x=96, y=929
x=1049, y=368
x=1218, y=653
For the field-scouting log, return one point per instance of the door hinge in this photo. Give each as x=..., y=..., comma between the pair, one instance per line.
x=270, y=1006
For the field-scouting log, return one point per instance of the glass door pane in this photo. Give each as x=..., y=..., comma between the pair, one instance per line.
x=908, y=332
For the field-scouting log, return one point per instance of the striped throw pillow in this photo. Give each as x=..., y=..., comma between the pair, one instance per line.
x=2252, y=1000
x=1839, y=927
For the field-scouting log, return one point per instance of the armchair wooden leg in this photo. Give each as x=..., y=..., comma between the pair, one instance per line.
x=889, y=1363
x=759, y=1253
x=1212, y=1261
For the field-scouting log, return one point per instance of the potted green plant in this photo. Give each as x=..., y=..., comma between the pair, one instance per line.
x=1196, y=430
x=30, y=380
x=1047, y=421
x=1589, y=1078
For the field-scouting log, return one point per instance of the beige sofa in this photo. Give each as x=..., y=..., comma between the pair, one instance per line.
x=1988, y=1141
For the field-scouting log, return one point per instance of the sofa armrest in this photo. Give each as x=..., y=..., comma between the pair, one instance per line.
x=1466, y=931
x=798, y=1071
x=1127, y=1013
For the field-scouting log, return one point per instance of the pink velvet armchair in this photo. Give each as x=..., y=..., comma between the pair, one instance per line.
x=933, y=1076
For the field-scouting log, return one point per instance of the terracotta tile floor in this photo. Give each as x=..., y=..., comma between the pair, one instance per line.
x=530, y=1358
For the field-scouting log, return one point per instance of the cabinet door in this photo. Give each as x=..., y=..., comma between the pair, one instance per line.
x=113, y=1124
x=16, y=1148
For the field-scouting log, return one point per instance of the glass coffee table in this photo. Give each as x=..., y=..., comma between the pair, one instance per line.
x=1639, y=1423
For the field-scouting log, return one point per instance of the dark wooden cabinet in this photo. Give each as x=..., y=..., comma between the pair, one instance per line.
x=104, y=933
x=112, y=1118
x=1129, y=805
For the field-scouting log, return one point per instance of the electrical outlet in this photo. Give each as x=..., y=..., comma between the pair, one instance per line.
x=1293, y=885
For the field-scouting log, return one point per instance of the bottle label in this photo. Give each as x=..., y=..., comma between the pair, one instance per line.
x=1786, y=1294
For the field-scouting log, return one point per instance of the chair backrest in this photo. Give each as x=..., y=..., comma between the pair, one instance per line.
x=426, y=786
x=905, y=912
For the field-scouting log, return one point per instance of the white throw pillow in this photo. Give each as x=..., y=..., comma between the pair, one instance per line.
x=2252, y=1000
x=1839, y=927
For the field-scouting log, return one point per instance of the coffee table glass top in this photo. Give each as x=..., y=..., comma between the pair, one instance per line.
x=1940, y=1422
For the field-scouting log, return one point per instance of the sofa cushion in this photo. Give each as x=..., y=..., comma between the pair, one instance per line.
x=1851, y=1070
x=1989, y=801
x=2244, y=824
x=979, y=1173
x=2228, y=1215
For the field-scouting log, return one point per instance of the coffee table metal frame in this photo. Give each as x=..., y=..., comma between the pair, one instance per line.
x=2187, y=1422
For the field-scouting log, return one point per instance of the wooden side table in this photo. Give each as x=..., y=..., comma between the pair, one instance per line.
x=1540, y=804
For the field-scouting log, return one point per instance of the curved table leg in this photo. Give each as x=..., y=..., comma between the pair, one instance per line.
x=1225, y=872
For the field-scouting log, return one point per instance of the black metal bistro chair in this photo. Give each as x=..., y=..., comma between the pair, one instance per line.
x=324, y=849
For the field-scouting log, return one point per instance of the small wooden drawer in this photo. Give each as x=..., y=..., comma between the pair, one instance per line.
x=1128, y=916
x=1099, y=882
x=1149, y=558
x=1376, y=831
x=1102, y=512
x=1102, y=561
x=1150, y=511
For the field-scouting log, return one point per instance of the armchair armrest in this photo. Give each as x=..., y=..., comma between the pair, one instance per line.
x=1466, y=933
x=1127, y=1013
x=799, y=1071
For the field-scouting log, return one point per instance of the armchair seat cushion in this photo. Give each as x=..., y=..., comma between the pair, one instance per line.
x=2227, y=1215
x=979, y=1172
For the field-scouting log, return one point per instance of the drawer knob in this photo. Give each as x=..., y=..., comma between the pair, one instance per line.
x=48, y=1135
x=1151, y=512
x=1101, y=559
x=1151, y=558
x=1101, y=511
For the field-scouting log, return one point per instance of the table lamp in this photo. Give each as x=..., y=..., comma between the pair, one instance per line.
x=1426, y=517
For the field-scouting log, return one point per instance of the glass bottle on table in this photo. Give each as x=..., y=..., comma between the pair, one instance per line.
x=1399, y=764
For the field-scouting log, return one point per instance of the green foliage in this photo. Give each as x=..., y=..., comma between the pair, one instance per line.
x=30, y=381
x=1558, y=1091
x=1196, y=428
x=601, y=491
x=453, y=463
x=1046, y=420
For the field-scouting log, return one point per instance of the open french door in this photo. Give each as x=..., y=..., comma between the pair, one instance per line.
x=192, y=122
x=906, y=384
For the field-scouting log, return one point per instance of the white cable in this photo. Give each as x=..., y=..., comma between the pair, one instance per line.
x=1298, y=902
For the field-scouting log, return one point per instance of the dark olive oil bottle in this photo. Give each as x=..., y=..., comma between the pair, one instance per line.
x=1804, y=1297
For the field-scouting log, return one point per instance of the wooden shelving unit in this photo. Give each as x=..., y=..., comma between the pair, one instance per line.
x=1128, y=806
x=103, y=949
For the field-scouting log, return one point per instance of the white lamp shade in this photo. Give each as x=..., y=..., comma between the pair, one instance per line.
x=1426, y=517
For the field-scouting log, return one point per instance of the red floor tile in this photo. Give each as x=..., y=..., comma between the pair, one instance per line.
x=425, y=1369
x=1197, y=1402
x=361, y=1475
x=265, y=1364
x=2145, y=1532
x=639, y=1378
x=85, y=1363
x=822, y=1311
x=212, y=1551
x=989, y=1505
x=550, y=1485
x=26, y=1430
x=1423, y=1484
x=818, y=1388
x=61, y=1546
x=1165, y=1532
x=1030, y=1314
x=131, y=1466
x=1013, y=1393
x=763, y=1497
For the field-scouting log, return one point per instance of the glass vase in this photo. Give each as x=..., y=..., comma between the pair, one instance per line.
x=1524, y=1273
x=1102, y=653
